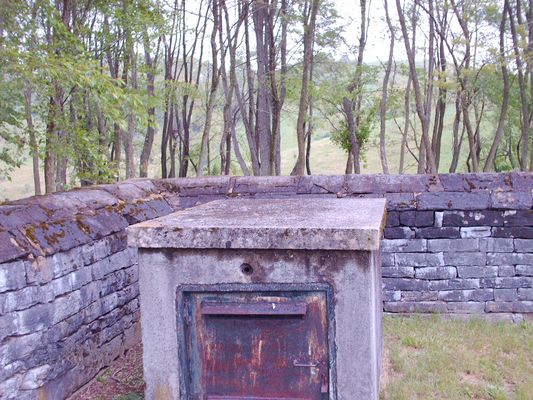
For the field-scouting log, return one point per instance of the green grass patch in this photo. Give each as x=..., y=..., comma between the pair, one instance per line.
x=442, y=359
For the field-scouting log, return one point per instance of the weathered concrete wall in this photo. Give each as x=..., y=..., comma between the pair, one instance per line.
x=68, y=284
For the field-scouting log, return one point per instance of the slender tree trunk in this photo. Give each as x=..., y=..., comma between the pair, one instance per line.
x=309, y=34
x=34, y=147
x=489, y=162
x=422, y=112
x=215, y=74
x=457, y=140
x=385, y=94
x=150, y=90
x=128, y=142
x=524, y=101
x=407, y=116
x=263, y=130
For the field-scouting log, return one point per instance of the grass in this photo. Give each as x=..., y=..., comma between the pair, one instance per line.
x=442, y=359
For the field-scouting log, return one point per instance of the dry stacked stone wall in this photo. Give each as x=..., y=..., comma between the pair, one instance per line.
x=454, y=244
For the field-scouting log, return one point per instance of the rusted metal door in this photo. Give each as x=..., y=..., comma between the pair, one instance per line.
x=256, y=346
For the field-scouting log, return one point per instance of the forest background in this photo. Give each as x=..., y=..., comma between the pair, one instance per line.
x=95, y=91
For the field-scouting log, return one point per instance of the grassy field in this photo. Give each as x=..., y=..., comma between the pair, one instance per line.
x=437, y=359
x=424, y=359
x=326, y=157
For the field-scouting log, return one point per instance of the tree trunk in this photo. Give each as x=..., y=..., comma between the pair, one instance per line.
x=34, y=147
x=423, y=113
x=524, y=101
x=263, y=106
x=215, y=73
x=489, y=162
x=384, y=94
x=150, y=89
x=309, y=35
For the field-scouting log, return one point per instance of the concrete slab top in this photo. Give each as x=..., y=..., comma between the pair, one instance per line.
x=307, y=223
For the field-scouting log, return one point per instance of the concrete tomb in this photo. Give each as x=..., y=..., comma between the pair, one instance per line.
x=264, y=299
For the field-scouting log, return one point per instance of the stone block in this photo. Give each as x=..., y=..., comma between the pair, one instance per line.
x=438, y=233
x=18, y=347
x=393, y=219
x=419, y=259
x=476, y=232
x=127, y=294
x=520, y=232
x=21, y=299
x=524, y=270
x=472, y=218
x=448, y=245
x=435, y=273
x=32, y=319
x=9, y=370
x=10, y=248
x=472, y=182
x=506, y=270
x=466, y=295
x=419, y=296
x=392, y=183
x=465, y=258
x=513, y=200
x=125, y=191
x=35, y=377
x=454, y=284
x=265, y=184
x=505, y=294
x=453, y=201
x=70, y=282
x=518, y=218
x=477, y=272
x=509, y=258
x=417, y=218
x=403, y=245
x=39, y=270
x=525, y=293
x=320, y=184
x=522, y=181
x=523, y=245
x=499, y=306
x=100, y=249
x=496, y=245
x=400, y=201
x=12, y=276
x=90, y=293
x=113, y=263
x=145, y=209
x=387, y=260
x=100, y=307
x=415, y=307
x=439, y=215
x=391, y=295
x=510, y=306
x=10, y=388
x=525, y=307
x=469, y=307
x=507, y=283
x=398, y=272
x=399, y=233
x=65, y=306
x=190, y=187
x=405, y=284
